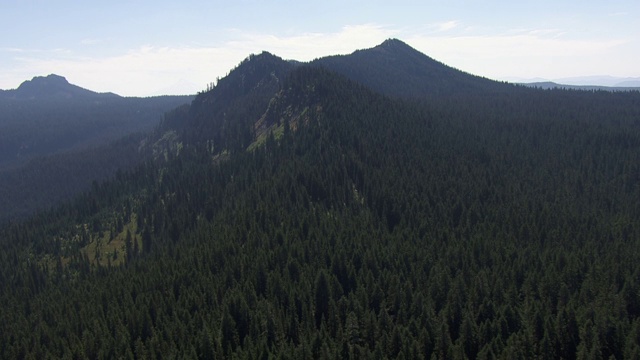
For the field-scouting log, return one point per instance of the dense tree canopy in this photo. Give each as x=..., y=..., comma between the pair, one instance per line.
x=56, y=138
x=341, y=223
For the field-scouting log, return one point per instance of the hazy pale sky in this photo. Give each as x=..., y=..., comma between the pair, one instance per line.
x=141, y=48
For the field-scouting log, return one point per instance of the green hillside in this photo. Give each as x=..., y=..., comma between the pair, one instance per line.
x=291, y=212
x=56, y=138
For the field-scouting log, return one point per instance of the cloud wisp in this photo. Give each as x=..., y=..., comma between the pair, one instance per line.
x=444, y=26
x=144, y=70
x=532, y=53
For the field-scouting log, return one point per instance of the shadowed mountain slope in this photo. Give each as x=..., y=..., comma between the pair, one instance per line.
x=47, y=115
x=394, y=68
x=52, y=87
x=56, y=138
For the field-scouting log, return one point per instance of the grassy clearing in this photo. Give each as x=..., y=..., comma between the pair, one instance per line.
x=105, y=250
x=277, y=132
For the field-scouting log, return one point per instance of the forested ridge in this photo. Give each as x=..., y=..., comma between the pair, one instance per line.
x=47, y=116
x=334, y=222
x=56, y=138
x=396, y=69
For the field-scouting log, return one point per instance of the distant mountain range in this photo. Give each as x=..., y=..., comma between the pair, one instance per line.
x=553, y=85
x=56, y=138
x=47, y=115
x=582, y=82
x=609, y=81
x=51, y=87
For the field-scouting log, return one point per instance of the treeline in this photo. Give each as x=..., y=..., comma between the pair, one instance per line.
x=467, y=227
x=35, y=127
x=51, y=149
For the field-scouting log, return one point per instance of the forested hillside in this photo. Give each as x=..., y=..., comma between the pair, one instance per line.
x=47, y=181
x=396, y=69
x=56, y=138
x=47, y=115
x=330, y=221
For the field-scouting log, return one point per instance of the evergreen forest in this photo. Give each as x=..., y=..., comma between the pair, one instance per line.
x=56, y=138
x=297, y=211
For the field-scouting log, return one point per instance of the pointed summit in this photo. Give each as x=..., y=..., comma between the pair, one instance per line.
x=224, y=112
x=394, y=43
x=396, y=69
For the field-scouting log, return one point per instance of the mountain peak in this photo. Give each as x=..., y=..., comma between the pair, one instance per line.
x=394, y=68
x=393, y=42
x=49, y=81
x=51, y=78
x=44, y=86
x=50, y=86
x=396, y=46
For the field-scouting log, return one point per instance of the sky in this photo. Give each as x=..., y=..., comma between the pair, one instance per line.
x=145, y=48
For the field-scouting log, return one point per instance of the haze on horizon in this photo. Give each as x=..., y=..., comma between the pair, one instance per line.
x=147, y=48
